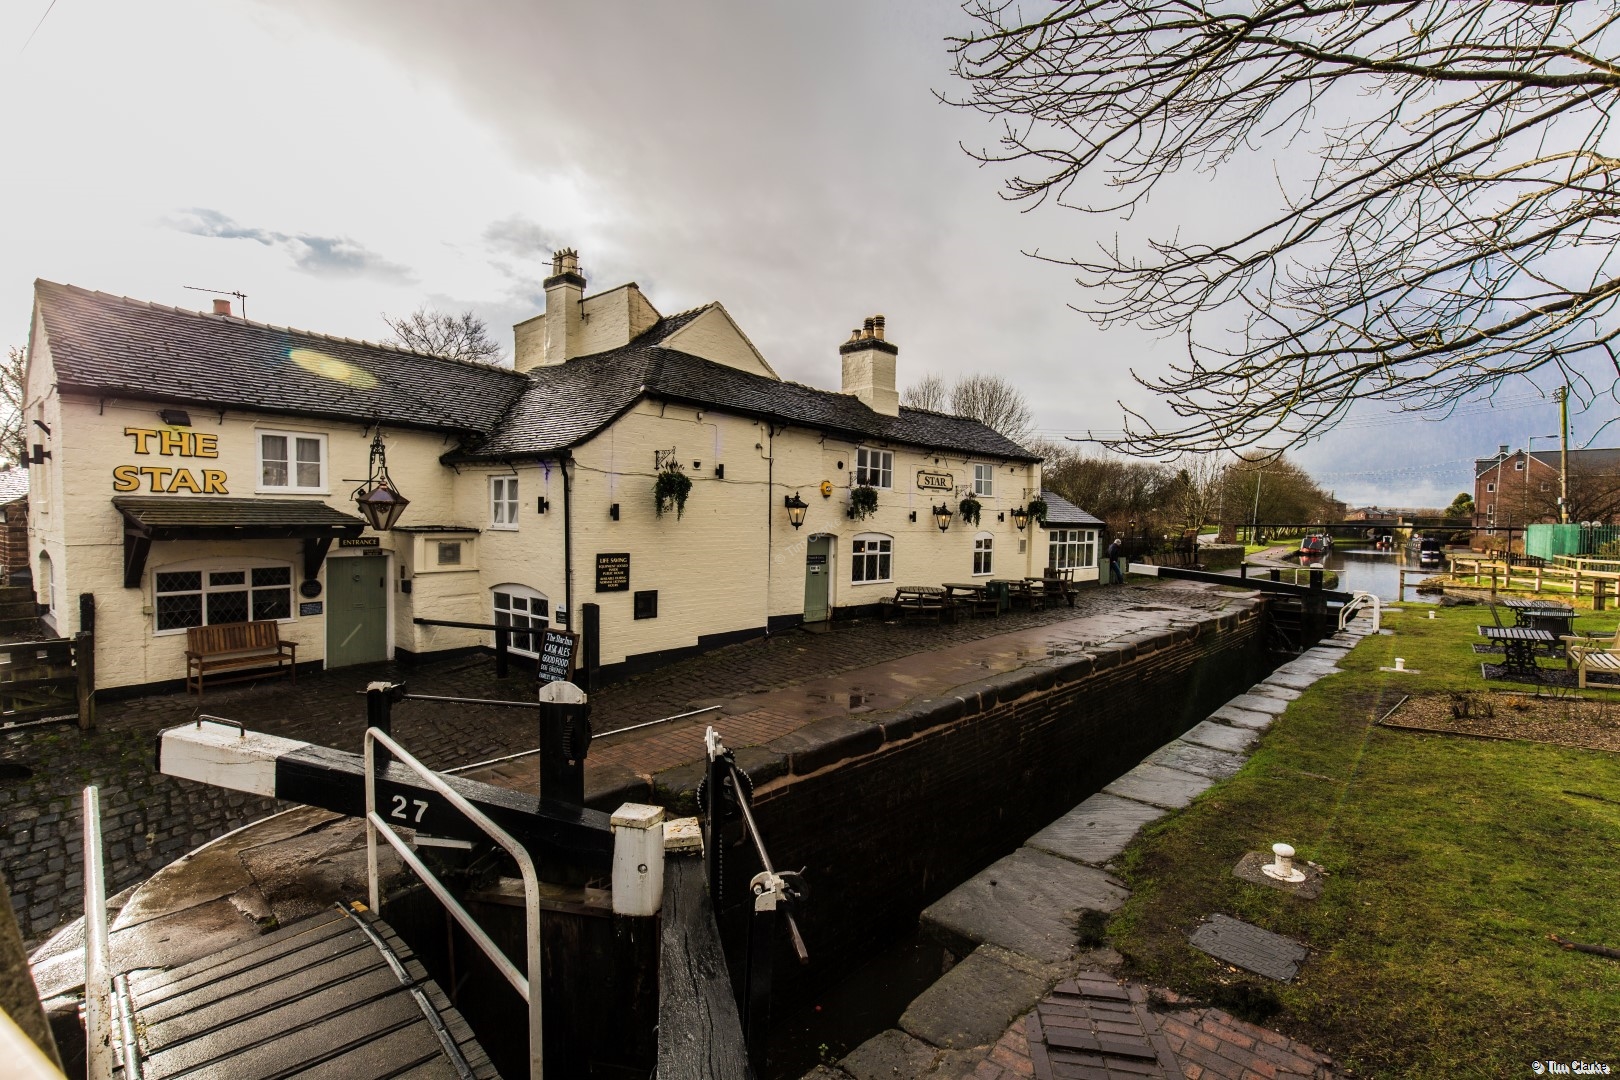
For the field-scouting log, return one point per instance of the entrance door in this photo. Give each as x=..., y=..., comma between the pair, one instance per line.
x=356, y=611
x=817, y=574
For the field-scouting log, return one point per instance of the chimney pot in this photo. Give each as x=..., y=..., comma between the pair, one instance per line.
x=1501, y=449
x=222, y=307
x=877, y=326
x=866, y=328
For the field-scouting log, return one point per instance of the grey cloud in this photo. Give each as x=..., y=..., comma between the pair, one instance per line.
x=521, y=238
x=322, y=256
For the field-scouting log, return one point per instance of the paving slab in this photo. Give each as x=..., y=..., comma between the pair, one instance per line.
x=1199, y=760
x=1311, y=664
x=1244, y=718
x=1247, y=946
x=1293, y=680
x=889, y=1055
x=1097, y=830
x=1262, y=703
x=1026, y=903
x=1155, y=784
x=1221, y=737
x=977, y=999
x=1273, y=690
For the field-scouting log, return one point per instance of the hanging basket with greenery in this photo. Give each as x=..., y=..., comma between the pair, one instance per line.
x=671, y=490
x=969, y=508
x=1037, y=511
x=862, y=501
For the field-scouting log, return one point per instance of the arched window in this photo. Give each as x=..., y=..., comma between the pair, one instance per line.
x=47, y=583
x=871, y=558
x=526, y=611
x=983, y=545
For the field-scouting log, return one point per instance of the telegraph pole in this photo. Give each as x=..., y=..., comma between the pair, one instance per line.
x=1562, y=394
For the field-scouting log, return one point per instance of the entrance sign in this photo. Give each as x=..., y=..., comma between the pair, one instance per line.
x=557, y=649
x=930, y=480
x=359, y=541
x=613, y=572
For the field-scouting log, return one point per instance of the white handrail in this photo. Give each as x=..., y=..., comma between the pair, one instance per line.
x=97, y=990
x=528, y=988
x=1359, y=600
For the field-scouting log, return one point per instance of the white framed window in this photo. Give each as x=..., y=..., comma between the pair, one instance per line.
x=503, y=502
x=982, y=545
x=984, y=479
x=1518, y=466
x=221, y=591
x=870, y=558
x=524, y=609
x=292, y=461
x=1490, y=487
x=874, y=468
x=1071, y=548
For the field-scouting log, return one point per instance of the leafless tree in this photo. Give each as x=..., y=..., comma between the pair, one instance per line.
x=989, y=399
x=1594, y=494
x=1271, y=490
x=439, y=333
x=13, y=439
x=1459, y=226
x=928, y=392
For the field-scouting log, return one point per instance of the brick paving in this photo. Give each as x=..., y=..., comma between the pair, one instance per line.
x=149, y=819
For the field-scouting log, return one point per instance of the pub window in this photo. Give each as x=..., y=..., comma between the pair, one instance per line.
x=874, y=468
x=291, y=461
x=449, y=552
x=981, y=553
x=983, y=479
x=503, y=502
x=870, y=561
x=1071, y=548
x=206, y=596
x=524, y=610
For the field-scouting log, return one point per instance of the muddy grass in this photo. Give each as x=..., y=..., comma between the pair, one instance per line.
x=1561, y=720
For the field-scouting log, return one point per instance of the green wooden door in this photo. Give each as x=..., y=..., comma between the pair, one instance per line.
x=356, y=611
x=817, y=573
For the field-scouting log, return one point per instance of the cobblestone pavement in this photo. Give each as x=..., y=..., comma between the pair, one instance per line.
x=149, y=819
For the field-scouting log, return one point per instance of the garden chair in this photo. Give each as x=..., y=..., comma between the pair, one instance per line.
x=1588, y=658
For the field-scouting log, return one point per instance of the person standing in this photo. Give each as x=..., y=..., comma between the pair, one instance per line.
x=1116, y=551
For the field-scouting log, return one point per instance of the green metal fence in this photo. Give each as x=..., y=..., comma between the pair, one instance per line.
x=1546, y=541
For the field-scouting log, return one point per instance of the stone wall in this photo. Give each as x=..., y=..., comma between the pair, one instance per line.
x=889, y=815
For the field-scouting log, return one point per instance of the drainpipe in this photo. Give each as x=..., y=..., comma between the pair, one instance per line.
x=770, y=532
x=568, y=541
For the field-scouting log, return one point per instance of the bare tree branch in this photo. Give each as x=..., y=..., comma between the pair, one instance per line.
x=13, y=388
x=455, y=337
x=1460, y=227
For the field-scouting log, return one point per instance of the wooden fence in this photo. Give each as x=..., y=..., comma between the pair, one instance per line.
x=53, y=679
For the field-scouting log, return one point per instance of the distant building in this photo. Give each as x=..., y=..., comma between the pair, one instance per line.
x=1515, y=489
x=13, y=522
x=201, y=471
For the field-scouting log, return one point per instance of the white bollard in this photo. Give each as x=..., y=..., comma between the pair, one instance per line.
x=638, y=859
x=1400, y=663
x=1283, y=868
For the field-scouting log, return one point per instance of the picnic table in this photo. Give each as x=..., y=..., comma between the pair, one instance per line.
x=1018, y=590
x=1555, y=618
x=922, y=601
x=1052, y=589
x=1519, y=646
x=972, y=597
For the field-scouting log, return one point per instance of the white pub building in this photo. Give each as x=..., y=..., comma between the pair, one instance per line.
x=189, y=469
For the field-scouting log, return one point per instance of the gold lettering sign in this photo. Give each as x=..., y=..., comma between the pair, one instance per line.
x=928, y=480
x=171, y=442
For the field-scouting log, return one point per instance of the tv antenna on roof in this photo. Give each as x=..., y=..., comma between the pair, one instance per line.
x=242, y=296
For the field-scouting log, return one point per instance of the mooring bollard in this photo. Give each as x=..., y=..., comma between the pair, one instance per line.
x=638, y=859
x=565, y=737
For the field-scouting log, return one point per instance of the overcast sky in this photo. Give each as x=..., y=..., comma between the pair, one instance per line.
x=337, y=159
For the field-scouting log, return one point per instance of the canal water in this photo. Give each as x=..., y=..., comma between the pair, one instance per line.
x=1363, y=569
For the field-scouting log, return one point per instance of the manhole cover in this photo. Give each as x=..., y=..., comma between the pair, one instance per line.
x=1243, y=945
x=1093, y=1025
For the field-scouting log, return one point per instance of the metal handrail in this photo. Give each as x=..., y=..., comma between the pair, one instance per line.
x=1359, y=600
x=529, y=988
x=97, y=990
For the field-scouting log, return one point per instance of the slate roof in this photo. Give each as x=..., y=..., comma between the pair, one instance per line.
x=566, y=404
x=13, y=483
x=170, y=511
x=1063, y=514
x=112, y=345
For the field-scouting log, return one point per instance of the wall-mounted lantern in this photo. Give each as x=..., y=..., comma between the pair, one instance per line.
x=796, y=508
x=379, y=501
x=1020, y=518
x=175, y=417
x=942, y=517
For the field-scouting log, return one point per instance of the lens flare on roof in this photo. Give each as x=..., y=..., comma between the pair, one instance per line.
x=330, y=367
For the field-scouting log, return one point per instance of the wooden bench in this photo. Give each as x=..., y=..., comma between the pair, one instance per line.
x=245, y=648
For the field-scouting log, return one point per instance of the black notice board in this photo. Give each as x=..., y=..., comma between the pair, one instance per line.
x=613, y=571
x=557, y=651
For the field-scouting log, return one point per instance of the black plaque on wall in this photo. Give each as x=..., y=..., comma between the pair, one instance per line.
x=613, y=571
x=557, y=649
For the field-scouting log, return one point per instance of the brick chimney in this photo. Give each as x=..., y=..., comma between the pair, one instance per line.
x=553, y=337
x=869, y=367
x=222, y=307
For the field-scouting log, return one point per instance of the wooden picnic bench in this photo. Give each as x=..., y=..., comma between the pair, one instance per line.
x=921, y=601
x=1018, y=591
x=242, y=650
x=972, y=598
x=1059, y=585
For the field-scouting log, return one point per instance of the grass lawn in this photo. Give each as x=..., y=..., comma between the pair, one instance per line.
x=1450, y=860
